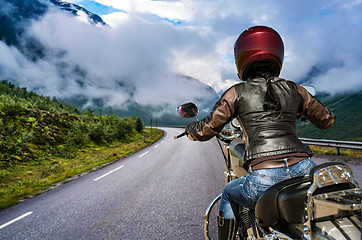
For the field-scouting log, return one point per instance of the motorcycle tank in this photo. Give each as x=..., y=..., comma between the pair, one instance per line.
x=236, y=150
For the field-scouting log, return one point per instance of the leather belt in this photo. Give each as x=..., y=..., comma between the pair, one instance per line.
x=277, y=163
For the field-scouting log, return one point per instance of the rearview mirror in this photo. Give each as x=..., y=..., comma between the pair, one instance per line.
x=187, y=110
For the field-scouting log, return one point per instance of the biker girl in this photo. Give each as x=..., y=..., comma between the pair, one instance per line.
x=266, y=107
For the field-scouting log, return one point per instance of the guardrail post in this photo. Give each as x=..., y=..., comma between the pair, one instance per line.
x=338, y=151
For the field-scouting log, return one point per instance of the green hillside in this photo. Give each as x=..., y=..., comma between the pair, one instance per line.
x=43, y=141
x=32, y=126
x=348, y=127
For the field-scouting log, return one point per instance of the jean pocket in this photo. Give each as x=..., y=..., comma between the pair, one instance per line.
x=257, y=186
x=303, y=168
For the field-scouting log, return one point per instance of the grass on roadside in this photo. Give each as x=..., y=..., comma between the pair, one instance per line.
x=333, y=151
x=24, y=181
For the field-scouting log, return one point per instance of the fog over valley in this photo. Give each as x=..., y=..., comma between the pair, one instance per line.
x=156, y=58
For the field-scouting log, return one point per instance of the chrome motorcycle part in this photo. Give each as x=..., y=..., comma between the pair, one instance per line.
x=207, y=216
x=331, y=174
x=334, y=203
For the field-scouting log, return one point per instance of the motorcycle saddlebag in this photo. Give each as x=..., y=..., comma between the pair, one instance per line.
x=283, y=201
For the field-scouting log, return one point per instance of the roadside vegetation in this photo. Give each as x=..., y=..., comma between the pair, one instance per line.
x=352, y=153
x=44, y=142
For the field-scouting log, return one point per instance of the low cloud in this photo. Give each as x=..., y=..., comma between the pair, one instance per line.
x=315, y=34
x=133, y=61
x=144, y=54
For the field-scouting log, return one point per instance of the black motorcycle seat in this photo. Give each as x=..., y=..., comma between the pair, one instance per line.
x=285, y=200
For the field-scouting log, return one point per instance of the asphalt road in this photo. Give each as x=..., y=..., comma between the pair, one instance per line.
x=161, y=192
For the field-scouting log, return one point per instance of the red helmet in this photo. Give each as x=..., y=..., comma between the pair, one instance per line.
x=258, y=44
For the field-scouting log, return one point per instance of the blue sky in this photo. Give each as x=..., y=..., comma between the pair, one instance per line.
x=95, y=7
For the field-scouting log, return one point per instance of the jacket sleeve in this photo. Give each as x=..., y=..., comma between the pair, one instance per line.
x=314, y=111
x=222, y=113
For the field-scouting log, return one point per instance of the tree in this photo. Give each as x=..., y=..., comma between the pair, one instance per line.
x=139, y=125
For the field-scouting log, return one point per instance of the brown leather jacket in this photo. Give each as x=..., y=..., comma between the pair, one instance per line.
x=265, y=133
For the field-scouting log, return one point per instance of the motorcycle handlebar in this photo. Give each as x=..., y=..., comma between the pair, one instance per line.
x=180, y=135
x=227, y=138
x=221, y=136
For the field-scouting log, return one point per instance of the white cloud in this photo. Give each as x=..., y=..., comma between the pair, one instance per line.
x=116, y=18
x=339, y=80
x=133, y=60
x=171, y=10
x=313, y=32
x=351, y=4
x=141, y=55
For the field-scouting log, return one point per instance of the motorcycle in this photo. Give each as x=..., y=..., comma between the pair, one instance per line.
x=324, y=205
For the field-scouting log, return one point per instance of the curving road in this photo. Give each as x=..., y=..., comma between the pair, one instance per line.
x=161, y=192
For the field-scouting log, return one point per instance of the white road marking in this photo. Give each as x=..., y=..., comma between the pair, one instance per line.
x=163, y=141
x=143, y=154
x=156, y=146
x=108, y=173
x=14, y=220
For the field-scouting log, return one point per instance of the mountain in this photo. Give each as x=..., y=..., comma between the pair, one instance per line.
x=79, y=11
x=17, y=15
x=318, y=70
x=103, y=93
x=164, y=114
x=347, y=107
x=89, y=90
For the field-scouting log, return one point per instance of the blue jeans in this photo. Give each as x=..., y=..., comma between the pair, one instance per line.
x=245, y=191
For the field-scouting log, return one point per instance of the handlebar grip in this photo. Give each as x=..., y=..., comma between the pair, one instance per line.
x=181, y=135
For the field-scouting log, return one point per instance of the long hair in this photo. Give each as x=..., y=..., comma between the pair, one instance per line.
x=271, y=99
x=266, y=70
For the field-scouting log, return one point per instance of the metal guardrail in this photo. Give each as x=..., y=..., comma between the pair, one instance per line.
x=333, y=143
